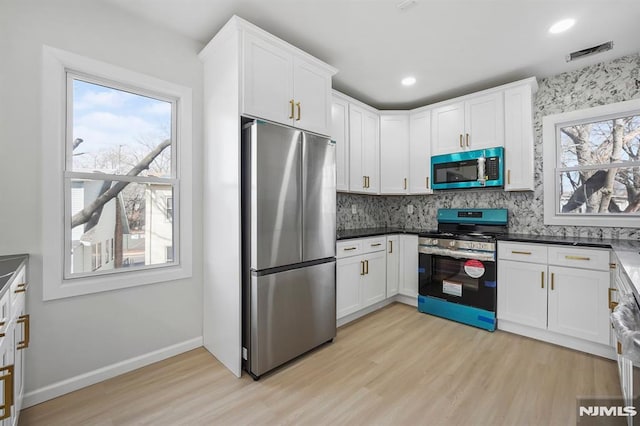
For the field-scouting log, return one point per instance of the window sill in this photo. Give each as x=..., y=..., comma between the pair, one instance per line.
x=116, y=281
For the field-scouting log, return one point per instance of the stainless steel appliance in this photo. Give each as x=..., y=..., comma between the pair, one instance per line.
x=468, y=169
x=288, y=236
x=457, y=272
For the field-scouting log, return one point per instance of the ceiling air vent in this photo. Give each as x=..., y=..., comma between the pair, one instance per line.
x=589, y=51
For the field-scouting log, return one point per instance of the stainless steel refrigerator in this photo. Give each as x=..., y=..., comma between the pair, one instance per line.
x=288, y=235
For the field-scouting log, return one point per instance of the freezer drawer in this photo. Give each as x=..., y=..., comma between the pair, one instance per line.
x=291, y=312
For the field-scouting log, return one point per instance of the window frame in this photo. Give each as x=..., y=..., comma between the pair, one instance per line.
x=57, y=64
x=551, y=126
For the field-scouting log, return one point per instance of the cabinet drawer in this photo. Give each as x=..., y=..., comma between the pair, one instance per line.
x=371, y=245
x=348, y=248
x=534, y=253
x=579, y=257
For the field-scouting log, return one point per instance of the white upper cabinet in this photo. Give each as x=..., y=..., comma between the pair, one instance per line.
x=312, y=95
x=394, y=154
x=364, y=146
x=518, y=141
x=420, y=153
x=284, y=85
x=340, y=135
x=447, y=128
x=475, y=123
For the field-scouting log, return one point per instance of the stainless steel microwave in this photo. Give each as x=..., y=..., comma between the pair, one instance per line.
x=468, y=169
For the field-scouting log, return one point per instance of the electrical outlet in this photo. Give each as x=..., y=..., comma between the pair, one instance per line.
x=354, y=209
x=410, y=209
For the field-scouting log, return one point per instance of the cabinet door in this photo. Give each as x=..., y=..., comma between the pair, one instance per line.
x=447, y=125
x=340, y=135
x=484, y=122
x=349, y=272
x=356, y=142
x=312, y=94
x=394, y=154
x=374, y=284
x=578, y=304
x=518, y=139
x=393, y=265
x=267, y=81
x=409, y=265
x=18, y=356
x=522, y=293
x=371, y=152
x=6, y=360
x=420, y=153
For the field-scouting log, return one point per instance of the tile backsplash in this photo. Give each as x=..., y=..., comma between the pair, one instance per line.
x=598, y=84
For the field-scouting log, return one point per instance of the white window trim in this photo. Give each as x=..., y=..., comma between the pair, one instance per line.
x=55, y=63
x=551, y=149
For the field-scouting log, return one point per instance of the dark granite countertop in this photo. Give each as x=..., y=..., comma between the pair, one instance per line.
x=553, y=239
x=345, y=234
x=8, y=266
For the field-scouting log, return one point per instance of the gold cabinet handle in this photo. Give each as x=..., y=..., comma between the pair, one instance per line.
x=461, y=145
x=612, y=266
x=467, y=139
x=349, y=248
x=427, y=182
x=390, y=246
x=367, y=180
x=612, y=304
x=405, y=183
x=7, y=390
x=577, y=258
x=376, y=244
x=520, y=252
x=619, y=348
x=24, y=319
x=542, y=279
x=366, y=265
x=362, y=267
x=291, y=102
x=508, y=176
x=364, y=181
x=299, y=111
x=552, y=280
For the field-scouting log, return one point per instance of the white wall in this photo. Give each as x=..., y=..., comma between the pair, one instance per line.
x=78, y=335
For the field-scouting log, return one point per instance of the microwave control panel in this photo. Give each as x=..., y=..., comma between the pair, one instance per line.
x=492, y=168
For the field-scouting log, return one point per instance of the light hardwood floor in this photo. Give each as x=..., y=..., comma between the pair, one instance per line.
x=395, y=366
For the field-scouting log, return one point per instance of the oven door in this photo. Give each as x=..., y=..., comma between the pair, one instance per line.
x=465, y=281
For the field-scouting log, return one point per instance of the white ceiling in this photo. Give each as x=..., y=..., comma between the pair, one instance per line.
x=452, y=47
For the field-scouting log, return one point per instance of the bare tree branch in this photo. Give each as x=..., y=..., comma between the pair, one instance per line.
x=85, y=214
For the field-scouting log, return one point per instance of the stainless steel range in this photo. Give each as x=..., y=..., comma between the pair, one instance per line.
x=457, y=274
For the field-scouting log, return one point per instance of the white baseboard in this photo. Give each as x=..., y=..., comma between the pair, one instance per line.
x=598, y=349
x=407, y=300
x=92, y=377
x=401, y=298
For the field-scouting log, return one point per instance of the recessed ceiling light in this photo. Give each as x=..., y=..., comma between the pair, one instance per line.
x=562, y=26
x=408, y=81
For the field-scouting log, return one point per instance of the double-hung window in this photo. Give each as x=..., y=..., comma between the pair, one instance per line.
x=117, y=154
x=592, y=166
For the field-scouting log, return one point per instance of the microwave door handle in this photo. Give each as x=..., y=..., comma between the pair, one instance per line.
x=481, y=172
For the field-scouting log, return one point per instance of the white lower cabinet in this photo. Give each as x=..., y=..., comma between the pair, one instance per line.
x=393, y=265
x=361, y=279
x=539, y=292
x=374, y=270
x=408, y=274
x=578, y=303
x=522, y=293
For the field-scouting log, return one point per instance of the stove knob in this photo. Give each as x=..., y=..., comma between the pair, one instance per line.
x=452, y=243
x=434, y=242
